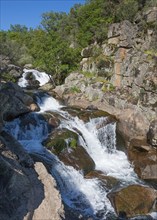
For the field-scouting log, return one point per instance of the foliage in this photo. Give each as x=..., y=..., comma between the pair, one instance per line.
x=56, y=44
x=75, y=89
x=7, y=77
x=108, y=87
x=88, y=74
x=12, y=49
x=127, y=9
x=73, y=143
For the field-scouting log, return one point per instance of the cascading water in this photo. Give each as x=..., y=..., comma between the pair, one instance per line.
x=42, y=77
x=83, y=195
x=87, y=196
x=101, y=146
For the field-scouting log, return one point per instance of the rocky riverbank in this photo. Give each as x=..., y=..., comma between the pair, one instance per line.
x=27, y=190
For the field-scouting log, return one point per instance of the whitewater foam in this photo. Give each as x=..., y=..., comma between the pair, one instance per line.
x=42, y=77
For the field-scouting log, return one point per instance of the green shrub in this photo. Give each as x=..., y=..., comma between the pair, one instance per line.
x=75, y=89
x=73, y=143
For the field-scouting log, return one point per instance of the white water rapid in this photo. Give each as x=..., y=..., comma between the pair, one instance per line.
x=87, y=196
x=42, y=77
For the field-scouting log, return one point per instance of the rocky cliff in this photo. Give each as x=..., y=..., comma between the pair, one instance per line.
x=120, y=77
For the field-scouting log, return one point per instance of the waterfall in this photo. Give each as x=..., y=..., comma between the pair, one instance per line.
x=48, y=103
x=101, y=146
x=42, y=77
x=30, y=135
x=84, y=195
x=87, y=196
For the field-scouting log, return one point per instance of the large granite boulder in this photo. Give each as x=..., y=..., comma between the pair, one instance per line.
x=14, y=102
x=26, y=193
x=132, y=123
x=51, y=206
x=134, y=200
x=144, y=158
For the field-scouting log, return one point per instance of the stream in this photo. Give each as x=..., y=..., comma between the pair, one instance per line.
x=85, y=196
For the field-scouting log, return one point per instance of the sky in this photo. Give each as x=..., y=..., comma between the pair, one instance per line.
x=28, y=12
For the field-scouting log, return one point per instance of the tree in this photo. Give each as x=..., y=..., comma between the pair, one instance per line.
x=18, y=28
x=51, y=21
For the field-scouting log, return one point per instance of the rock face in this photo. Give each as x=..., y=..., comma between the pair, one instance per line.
x=144, y=158
x=134, y=200
x=51, y=206
x=128, y=63
x=132, y=123
x=152, y=133
x=122, y=34
x=14, y=102
x=26, y=193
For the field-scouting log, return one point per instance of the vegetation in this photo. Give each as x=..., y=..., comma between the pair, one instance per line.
x=56, y=44
x=62, y=140
x=75, y=89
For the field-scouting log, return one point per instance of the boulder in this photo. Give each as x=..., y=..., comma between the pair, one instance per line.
x=90, y=51
x=28, y=66
x=78, y=158
x=16, y=148
x=152, y=133
x=51, y=206
x=89, y=113
x=26, y=192
x=87, y=52
x=15, y=71
x=144, y=159
x=14, y=102
x=134, y=200
x=64, y=143
x=107, y=181
x=48, y=87
x=132, y=123
x=34, y=107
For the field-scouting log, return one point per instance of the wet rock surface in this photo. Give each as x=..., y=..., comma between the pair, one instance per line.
x=64, y=144
x=108, y=182
x=134, y=200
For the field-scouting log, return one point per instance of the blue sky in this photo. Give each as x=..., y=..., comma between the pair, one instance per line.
x=28, y=12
